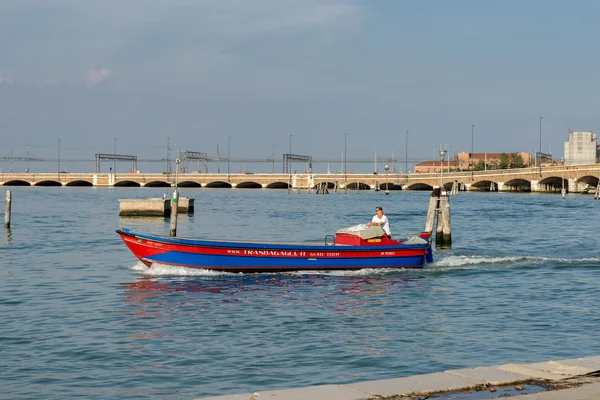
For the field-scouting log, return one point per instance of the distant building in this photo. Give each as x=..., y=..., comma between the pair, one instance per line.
x=434, y=166
x=491, y=160
x=582, y=148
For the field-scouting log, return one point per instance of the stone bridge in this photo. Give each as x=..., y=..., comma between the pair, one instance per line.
x=547, y=179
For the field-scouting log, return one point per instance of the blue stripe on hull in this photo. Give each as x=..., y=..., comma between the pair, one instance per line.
x=252, y=263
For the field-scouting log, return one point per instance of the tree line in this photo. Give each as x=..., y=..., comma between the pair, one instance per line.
x=505, y=161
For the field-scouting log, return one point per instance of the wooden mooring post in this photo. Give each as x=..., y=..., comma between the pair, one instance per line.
x=439, y=209
x=455, y=188
x=174, y=202
x=322, y=188
x=7, y=207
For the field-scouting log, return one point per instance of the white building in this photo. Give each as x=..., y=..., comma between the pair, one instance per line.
x=582, y=148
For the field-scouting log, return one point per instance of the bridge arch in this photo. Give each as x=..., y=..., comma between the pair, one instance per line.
x=157, y=184
x=358, y=186
x=327, y=185
x=80, y=183
x=249, y=185
x=17, y=182
x=554, y=183
x=127, y=184
x=278, y=185
x=420, y=186
x=517, y=185
x=219, y=184
x=588, y=180
x=390, y=186
x=485, y=186
x=48, y=183
x=189, y=184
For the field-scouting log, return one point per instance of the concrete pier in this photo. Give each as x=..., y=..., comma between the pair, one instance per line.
x=154, y=207
x=565, y=379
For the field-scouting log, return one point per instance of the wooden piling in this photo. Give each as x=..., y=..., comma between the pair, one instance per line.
x=439, y=208
x=7, y=207
x=431, y=212
x=322, y=188
x=597, y=193
x=174, y=202
x=446, y=232
x=439, y=227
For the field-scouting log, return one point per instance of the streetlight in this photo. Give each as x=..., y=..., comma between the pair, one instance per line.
x=386, y=167
x=562, y=178
x=228, y=157
x=442, y=156
x=168, y=158
x=472, y=165
x=406, y=153
x=273, y=168
x=540, y=153
x=345, y=168
x=115, y=155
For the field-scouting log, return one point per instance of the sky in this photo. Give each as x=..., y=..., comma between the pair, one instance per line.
x=250, y=76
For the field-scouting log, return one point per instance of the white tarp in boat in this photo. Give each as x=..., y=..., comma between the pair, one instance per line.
x=363, y=231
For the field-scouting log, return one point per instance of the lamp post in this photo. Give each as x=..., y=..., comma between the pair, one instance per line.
x=228, y=158
x=375, y=171
x=406, y=154
x=540, y=152
x=386, y=167
x=168, y=158
x=442, y=156
x=472, y=164
x=345, y=168
x=115, y=154
x=562, y=178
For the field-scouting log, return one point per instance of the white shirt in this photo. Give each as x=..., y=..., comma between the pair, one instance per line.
x=384, y=221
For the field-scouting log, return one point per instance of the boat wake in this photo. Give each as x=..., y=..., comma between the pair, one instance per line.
x=446, y=264
x=462, y=262
x=169, y=270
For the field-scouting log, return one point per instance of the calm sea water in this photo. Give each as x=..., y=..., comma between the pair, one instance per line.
x=81, y=318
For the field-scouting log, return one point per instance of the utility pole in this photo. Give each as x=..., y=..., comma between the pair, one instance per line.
x=168, y=157
x=472, y=163
x=406, y=153
x=345, y=167
x=375, y=163
x=115, y=153
x=540, y=153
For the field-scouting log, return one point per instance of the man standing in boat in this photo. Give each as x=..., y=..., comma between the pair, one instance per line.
x=381, y=220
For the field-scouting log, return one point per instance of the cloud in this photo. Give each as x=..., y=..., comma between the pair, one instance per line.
x=50, y=83
x=97, y=76
x=5, y=80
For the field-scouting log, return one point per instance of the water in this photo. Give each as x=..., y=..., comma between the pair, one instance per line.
x=81, y=318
